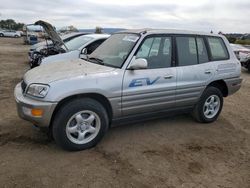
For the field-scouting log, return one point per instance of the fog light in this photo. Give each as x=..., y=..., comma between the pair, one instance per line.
x=36, y=112
x=26, y=111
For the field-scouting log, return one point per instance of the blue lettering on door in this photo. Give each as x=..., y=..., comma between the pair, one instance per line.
x=142, y=81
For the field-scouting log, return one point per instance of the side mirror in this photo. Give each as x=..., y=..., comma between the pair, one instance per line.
x=84, y=51
x=139, y=63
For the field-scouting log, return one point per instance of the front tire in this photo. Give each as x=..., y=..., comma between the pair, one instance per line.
x=209, y=106
x=80, y=124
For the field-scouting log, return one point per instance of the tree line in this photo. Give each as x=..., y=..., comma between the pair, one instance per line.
x=11, y=24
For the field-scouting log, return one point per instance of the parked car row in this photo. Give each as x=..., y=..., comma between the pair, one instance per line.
x=243, y=54
x=132, y=75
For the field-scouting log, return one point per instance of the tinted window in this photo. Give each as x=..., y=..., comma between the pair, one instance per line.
x=91, y=47
x=145, y=48
x=186, y=50
x=217, y=48
x=167, y=46
x=157, y=51
x=155, y=47
x=202, y=51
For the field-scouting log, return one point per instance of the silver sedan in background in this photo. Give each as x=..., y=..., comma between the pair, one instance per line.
x=10, y=33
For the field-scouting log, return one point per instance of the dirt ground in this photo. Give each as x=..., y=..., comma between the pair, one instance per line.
x=169, y=152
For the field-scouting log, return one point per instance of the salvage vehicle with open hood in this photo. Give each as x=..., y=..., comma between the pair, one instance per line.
x=48, y=43
x=77, y=47
x=53, y=44
x=134, y=74
x=243, y=54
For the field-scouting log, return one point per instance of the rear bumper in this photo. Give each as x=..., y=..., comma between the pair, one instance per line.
x=233, y=84
x=25, y=104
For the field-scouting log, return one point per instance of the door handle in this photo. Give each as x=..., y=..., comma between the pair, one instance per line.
x=208, y=72
x=168, y=76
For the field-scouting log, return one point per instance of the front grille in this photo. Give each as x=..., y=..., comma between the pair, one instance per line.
x=23, y=86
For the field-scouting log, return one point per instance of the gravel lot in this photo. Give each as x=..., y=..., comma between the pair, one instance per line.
x=168, y=152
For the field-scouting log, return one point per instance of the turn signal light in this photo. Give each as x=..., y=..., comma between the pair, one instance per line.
x=36, y=112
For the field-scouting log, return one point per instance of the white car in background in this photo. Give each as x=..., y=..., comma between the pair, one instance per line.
x=85, y=44
x=243, y=54
x=10, y=33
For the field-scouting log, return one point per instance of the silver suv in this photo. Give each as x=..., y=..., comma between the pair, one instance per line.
x=135, y=74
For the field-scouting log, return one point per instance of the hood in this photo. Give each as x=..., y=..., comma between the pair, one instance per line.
x=50, y=30
x=63, y=70
x=61, y=57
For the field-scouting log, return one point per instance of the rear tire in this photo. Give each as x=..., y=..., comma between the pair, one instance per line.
x=209, y=106
x=80, y=124
x=1, y=35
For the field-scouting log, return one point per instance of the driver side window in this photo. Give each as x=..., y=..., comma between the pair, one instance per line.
x=157, y=51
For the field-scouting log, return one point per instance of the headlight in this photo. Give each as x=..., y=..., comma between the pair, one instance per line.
x=37, y=90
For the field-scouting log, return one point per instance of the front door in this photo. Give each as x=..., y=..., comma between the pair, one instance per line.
x=152, y=89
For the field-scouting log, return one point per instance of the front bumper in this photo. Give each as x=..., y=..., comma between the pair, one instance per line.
x=24, y=104
x=233, y=84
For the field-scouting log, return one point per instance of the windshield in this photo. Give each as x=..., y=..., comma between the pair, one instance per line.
x=114, y=51
x=77, y=42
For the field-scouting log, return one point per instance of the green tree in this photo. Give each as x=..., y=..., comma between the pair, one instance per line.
x=11, y=24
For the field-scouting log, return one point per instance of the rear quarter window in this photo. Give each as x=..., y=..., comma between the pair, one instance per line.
x=217, y=48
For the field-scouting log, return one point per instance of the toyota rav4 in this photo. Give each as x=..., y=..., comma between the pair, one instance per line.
x=135, y=74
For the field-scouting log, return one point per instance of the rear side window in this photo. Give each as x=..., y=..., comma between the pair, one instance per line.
x=202, y=51
x=217, y=48
x=186, y=50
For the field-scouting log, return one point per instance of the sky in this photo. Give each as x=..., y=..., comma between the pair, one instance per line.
x=199, y=15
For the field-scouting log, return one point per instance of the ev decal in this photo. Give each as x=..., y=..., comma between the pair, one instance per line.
x=143, y=81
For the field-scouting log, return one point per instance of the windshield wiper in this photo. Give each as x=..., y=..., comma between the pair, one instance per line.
x=100, y=61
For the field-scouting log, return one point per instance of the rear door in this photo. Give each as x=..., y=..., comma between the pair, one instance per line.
x=194, y=71
x=151, y=89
